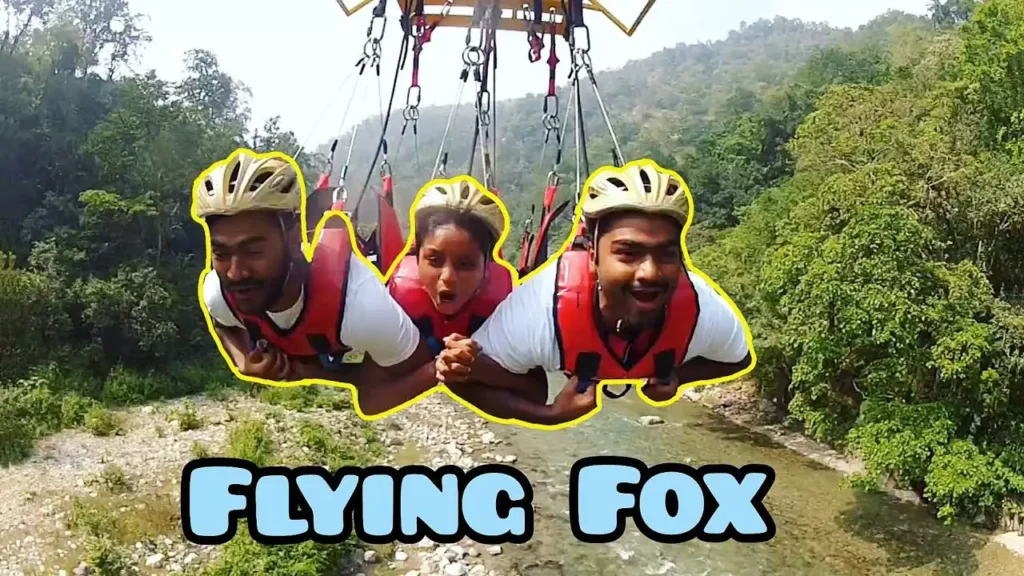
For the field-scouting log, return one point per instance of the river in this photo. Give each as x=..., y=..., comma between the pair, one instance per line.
x=822, y=527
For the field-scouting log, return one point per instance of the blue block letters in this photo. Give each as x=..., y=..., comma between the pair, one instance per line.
x=670, y=503
x=491, y=504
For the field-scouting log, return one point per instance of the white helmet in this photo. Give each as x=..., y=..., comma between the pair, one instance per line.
x=643, y=186
x=464, y=194
x=246, y=182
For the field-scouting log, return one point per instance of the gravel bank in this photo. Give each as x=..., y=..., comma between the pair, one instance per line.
x=38, y=496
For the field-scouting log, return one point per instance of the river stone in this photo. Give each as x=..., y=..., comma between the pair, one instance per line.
x=477, y=570
x=473, y=552
x=455, y=569
x=401, y=556
x=494, y=550
x=154, y=560
x=370, y=556
x=651, y=420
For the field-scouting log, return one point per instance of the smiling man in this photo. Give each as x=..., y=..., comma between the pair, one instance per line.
x=283, y=317
x=622, y=307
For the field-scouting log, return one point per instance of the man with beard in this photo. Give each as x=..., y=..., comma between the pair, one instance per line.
x=622, y=307
x=285, y=318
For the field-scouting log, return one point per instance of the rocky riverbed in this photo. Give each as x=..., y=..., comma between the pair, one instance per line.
x=131, y=481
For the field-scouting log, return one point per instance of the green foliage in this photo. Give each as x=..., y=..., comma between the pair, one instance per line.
x=242, y=556
x=187, y=417
x=250, y=440
x=102, y=422
x=30, y=409
x=881, y=271
x=328, y=448
x=301, y=398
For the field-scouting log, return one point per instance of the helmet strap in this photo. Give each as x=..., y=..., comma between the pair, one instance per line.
x=278, y=291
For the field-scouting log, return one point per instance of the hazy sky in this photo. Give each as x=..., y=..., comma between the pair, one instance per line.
x=295, y=55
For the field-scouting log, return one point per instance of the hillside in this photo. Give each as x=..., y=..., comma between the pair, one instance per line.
x=659, y=106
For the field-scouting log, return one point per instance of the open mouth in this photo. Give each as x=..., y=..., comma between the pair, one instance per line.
x=646, y=296
x=446, y=296
x=245, y=292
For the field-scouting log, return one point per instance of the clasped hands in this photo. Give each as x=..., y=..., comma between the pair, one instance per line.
x=455, y=363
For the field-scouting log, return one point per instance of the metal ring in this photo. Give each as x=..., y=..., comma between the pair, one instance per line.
x=477, y=57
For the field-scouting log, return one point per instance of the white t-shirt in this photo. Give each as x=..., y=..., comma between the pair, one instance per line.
x=520, y=334
x=372, y=321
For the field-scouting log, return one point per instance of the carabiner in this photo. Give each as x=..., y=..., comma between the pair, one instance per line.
x=553, y=179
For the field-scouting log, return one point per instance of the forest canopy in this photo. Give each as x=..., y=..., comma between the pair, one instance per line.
x=859, y=194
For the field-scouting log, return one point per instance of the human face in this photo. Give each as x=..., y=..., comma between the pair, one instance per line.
x=638, y=264
x=452, y=267
x=252, y=257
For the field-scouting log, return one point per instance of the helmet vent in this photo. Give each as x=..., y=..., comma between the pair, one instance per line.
x=233, y=179
x=672, y=188
x=486, y=201
x=646, y=179
x=260, y=180
x=464, y=191
x=618, y=184
x=441, y=190
x=209, y=187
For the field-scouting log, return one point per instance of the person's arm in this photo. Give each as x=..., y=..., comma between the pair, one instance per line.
x=700, y=369
x=720, y=344
x=568, y=406
x=229, y=329
x=719, y=347
x=504, y=404
x=382, y=388
x=398, y=365
x=532, y=386
x=235, y=342
x=517, y=343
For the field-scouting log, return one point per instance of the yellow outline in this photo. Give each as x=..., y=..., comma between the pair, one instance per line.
x=578, y=215
x=308, y=248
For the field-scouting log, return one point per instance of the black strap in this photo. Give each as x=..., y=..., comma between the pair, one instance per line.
x=255, y=334
x=664, y=364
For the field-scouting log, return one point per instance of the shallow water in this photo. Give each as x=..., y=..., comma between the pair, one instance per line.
x=822, y=528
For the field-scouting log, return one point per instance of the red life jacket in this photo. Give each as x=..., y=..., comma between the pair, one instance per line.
x=317, y=330
x=588, y=356
x=408, y=291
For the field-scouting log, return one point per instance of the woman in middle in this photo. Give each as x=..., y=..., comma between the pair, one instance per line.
x=450, y=282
